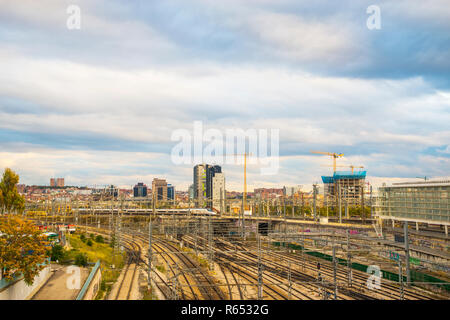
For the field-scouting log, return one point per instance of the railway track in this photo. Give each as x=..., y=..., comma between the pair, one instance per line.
x=124, y=288
x=235, y=259
x=135, y=255
x=199, y=283
x=204, y=281
x=388, y=290
x=273, y=283
x=201, y=286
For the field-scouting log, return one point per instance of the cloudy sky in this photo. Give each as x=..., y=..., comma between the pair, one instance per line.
x=98, y=105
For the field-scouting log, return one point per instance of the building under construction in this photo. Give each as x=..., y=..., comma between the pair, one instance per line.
x=347, y=186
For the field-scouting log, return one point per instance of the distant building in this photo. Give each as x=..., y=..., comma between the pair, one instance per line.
x=346, y=185
x=112, y=191
x=209, y=184
x=218, y=192
x=268, y=193
x=105, y=193
x=170, y=192
x=420, y=202
x=60, y=182
x=140, y=190
x=211, y=172
x=292, y=191
x=200, y=183
x=159, y=189
x=191, y=192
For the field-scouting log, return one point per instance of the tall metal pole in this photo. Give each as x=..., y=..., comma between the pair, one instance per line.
x=290, y=281
x=334, y=271
x=150, y=254
x=260, y=271
x=241, y=220
x=363, y=213
x=303, y=248
x=210, y=242
x=285, y=224
x=405, y=228
x=400, y=278
x=221, y=201
x=349, y=263
x=315, y=201
x=339, y=202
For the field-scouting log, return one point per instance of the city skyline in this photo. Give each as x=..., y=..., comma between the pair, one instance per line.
x=313, y=71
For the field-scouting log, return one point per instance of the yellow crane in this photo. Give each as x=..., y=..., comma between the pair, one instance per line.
x=333, y=155
x=245, y=177
x=348, y=166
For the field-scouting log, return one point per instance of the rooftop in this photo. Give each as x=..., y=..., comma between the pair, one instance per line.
x=338, y=175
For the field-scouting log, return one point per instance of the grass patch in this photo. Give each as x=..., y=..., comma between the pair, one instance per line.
x=161, y=269
x=98, y=251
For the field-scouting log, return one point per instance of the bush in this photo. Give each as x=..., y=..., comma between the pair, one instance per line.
x=81, y=260
x=57, y=253
x=99, y=239
x=83, y=237
x=89, y=243
x=91, y=236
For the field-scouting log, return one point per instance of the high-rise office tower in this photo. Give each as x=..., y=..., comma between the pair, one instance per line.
x=159, y=188
x=191, y=192
x=200, y=183
x=140, y=190
x=211, y=171
x=170, y=192
x=218, y=191
x=209, y=184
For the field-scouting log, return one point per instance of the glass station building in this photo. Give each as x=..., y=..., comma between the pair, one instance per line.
x=421, y=202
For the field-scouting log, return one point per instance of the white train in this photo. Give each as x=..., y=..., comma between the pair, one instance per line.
x=195, y=211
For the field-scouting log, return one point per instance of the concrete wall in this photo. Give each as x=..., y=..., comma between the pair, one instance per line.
x=94, y=286
x=19, y=290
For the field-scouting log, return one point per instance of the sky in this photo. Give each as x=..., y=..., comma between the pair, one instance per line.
x=98, y=105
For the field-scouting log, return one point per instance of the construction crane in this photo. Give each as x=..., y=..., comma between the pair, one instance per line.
x=347, y=166
x=245, y=177
x=334, y=155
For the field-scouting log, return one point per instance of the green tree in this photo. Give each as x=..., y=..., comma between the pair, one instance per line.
x=81, y=260
x=99, y=239
x=89, y=243
x=10, y=199
x=57, y=253
x=22, y=249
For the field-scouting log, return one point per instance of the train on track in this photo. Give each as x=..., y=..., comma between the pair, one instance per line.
x=134, y=211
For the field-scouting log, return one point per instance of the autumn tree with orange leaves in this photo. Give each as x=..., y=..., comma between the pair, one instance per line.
x=22, y=249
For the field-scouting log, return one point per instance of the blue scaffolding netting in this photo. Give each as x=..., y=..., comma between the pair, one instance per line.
x=344, y=175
